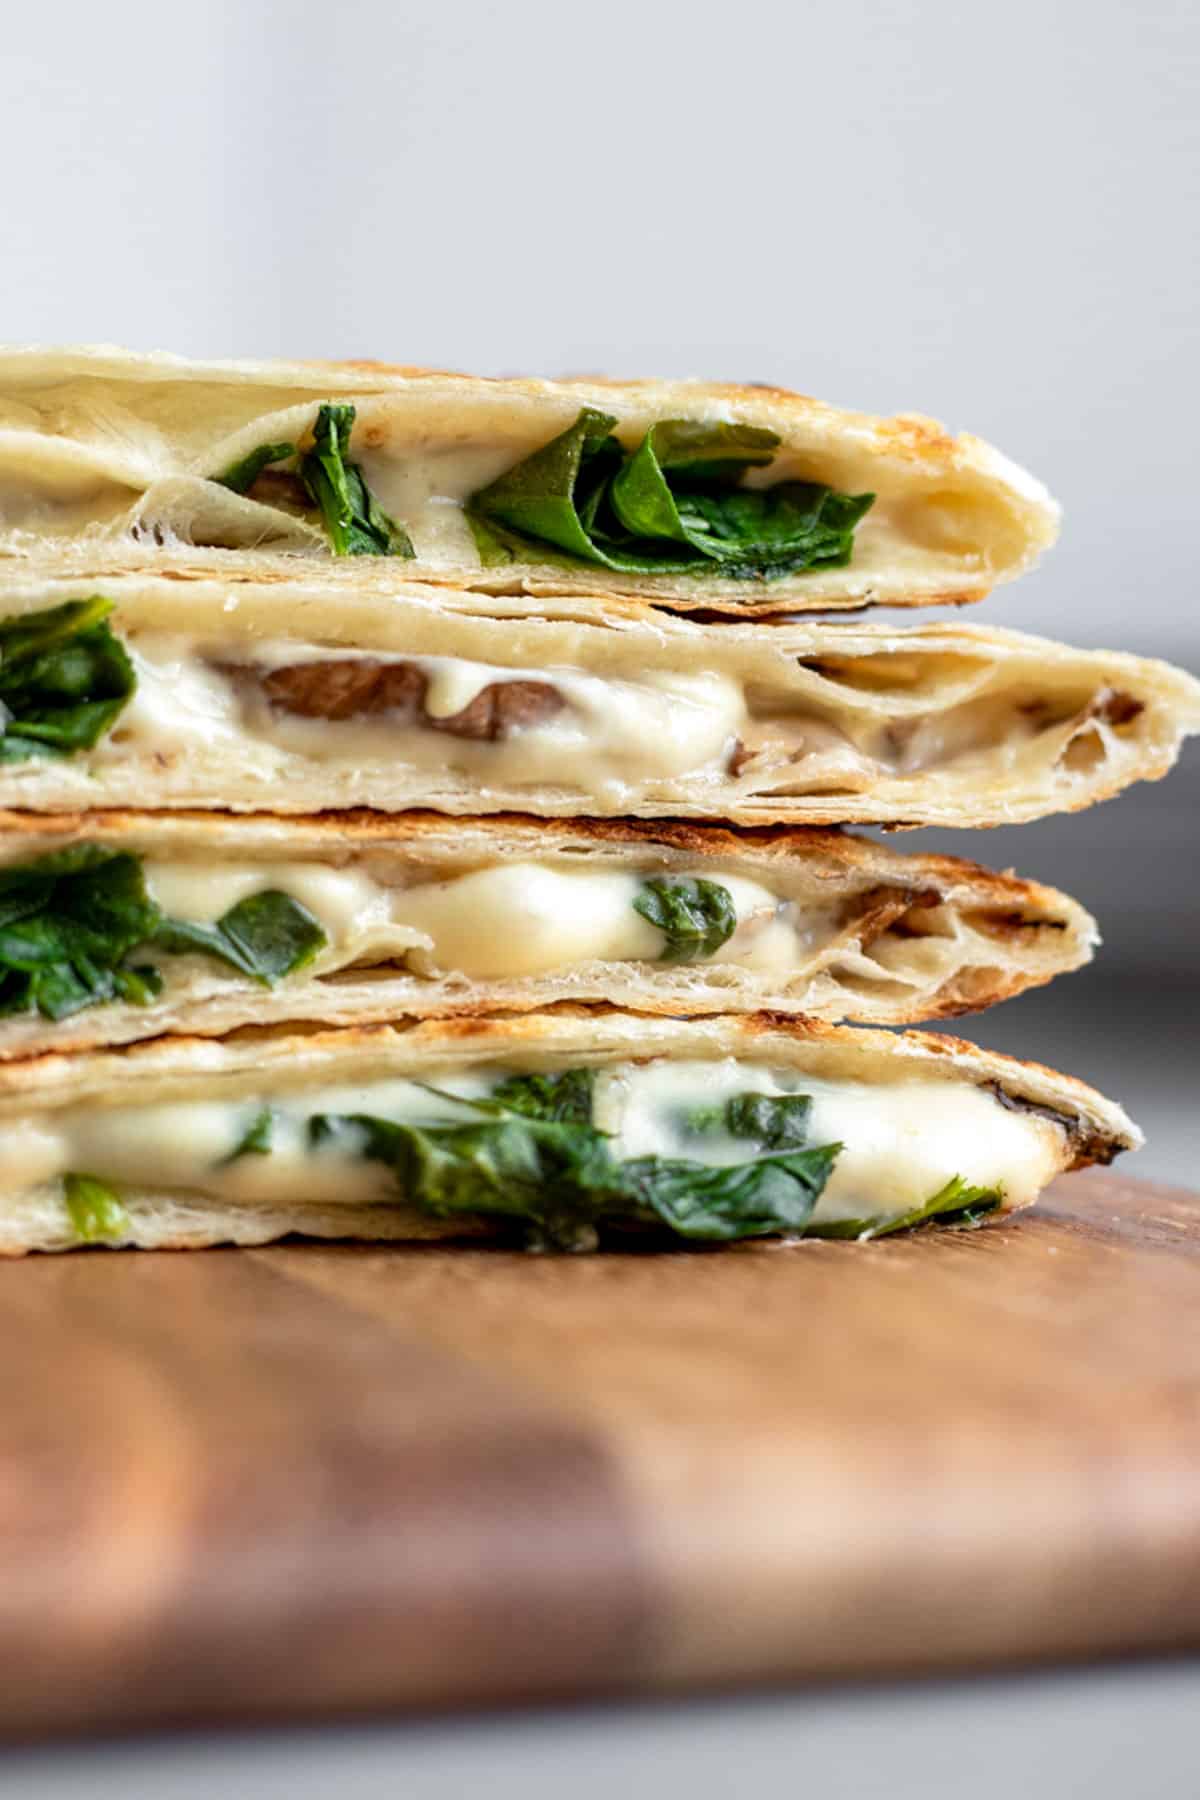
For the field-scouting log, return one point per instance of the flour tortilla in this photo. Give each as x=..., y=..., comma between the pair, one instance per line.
x=106, y=459
x=1076, y=1125
x=882, y=938
x=1015, y=726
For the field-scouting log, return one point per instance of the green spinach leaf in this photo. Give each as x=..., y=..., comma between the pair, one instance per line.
x=720, y=1204
x=241, y=476
x=95, y=1211
x=70, y=921
x=265, y=936
x=957, y=1203
x=565, y=1098
x=672, y=505
x=695, y=916
x=257, y=1138
x=64, y=679
x=67, y=924
x=354, y=520
x=533, y=1155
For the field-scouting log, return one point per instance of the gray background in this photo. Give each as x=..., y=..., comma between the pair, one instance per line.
x=986, y=213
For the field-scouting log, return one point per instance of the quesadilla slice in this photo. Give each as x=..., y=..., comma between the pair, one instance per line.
x=155, y=693
x=118, y=926
x=560, y=1130
x=688, y=494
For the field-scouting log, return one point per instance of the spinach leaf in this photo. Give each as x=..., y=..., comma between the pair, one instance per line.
x=773, y=1121
x=751, y=1199
x=265, y=936
x=256, y=1140
x=241, y=476
x=555, y=1178
x=672, y=505
x=696, y=916
x=67, y=923
x=565, y=1098
x=64, y=678
x=533, y=1155
x=96, y=1213
x=70, y=921
x=356, y=523
x=957, y=1203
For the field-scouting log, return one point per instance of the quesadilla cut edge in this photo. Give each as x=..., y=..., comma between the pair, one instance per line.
x=219, y=694
x=569, y=1127
x=199, y=923
x=112, y=459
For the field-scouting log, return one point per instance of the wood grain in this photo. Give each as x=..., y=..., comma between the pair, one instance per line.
x=310, y=1479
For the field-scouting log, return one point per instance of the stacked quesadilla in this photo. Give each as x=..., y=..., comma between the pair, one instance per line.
x=422, y=806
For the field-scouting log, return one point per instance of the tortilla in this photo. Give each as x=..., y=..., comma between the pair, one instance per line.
x=424, y=916
x=443, y=700
x=199, y=1142
x=109, y=460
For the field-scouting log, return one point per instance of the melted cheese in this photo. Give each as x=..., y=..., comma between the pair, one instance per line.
x=517, y=919
x=346, y=901
x=180, y=703
x=901, y=1142
x=612, y=739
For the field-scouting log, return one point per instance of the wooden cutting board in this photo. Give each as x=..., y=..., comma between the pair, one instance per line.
x=309, y=1479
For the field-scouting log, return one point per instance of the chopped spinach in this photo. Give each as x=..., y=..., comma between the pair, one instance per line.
x=256, y=1140
x=565, y=1098
x=64, y=678
x=265, y=936
x=674, y=505
x=957, y=1203
x=774, y=1121
x=241, y=476
x=95, y=1211
x=70, y=921
x=771, y=1193
x=531, y=1153
x=354, y=520
x=695, y=916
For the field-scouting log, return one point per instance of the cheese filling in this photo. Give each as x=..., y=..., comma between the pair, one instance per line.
x=902, y=1142
x=128, y=485
x=517, y=919
x=610, y=739
x=618, y=742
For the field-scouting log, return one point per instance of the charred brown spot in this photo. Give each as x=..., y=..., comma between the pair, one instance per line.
x=1012, y=924
x=1112, y=706
x=893, y=910
x=1117, y=708
x=362, y=687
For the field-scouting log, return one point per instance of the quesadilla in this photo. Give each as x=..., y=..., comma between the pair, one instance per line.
x=561, y=1129
x=118, y=926
x=688, y=494
x=158, y=693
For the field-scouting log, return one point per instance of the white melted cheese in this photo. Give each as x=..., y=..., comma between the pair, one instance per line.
x=612, y=739
x=180, y=704
x=902, y=1142
x=527, y=919
x=517, y=919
